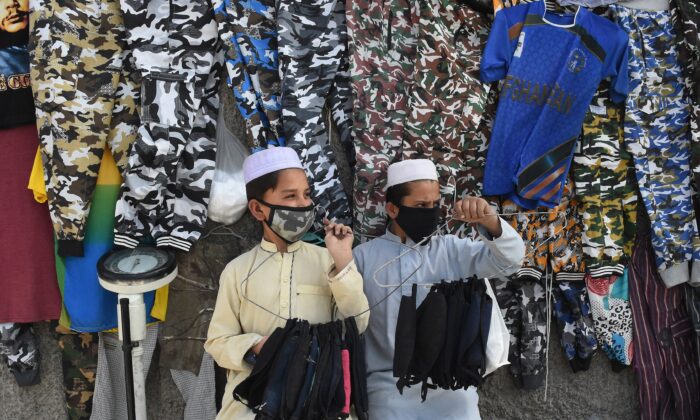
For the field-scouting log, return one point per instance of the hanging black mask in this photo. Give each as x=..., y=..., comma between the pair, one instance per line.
x=418, y=222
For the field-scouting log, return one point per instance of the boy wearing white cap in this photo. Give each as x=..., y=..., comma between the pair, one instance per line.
x=413, y=196
x=281, y=278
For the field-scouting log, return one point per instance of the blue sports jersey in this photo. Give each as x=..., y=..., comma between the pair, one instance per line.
x=552, y=65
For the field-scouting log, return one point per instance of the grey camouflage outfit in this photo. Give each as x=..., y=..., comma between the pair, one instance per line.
x=166, y=187
x=19, y=349
x=314, y=69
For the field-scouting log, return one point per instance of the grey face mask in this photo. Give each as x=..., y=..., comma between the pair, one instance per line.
x=290, y=223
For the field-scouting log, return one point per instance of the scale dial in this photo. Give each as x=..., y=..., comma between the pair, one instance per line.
x=142, y=263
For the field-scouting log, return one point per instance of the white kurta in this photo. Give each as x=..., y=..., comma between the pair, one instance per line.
x=444, y=258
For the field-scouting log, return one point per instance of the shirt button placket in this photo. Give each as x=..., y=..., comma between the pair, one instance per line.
x=285, y=294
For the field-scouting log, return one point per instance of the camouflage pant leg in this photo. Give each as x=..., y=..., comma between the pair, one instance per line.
x=312, y=39
x=383, y=42
x=19, y=349
x=600, y=171
x=448, y=99
x=174, y=92
x=76, y=62
x=573, y=313
x=186, y=201
x=685, y=15
x=566, y=246
x=612, y=315
x=533, y=338
x=532, y=227
x=657, y=135
x=79, y=360
x=249, y=34
x=509, y=296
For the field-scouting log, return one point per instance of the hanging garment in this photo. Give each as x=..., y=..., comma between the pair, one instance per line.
x=87, y=306
x=443, y=257
x=685, y=15
x=79, y=68
x=524, y=307
x=313, y=67
x=447, y=101
x=249, y=35
x=300, y=283
x=16, y=100
x=612, y=316
x=166, y=185
x=692, y=301
x=79, y=362
x=197, y=390
x=573, y=313
x=109, y=401
x=604, y=188
x=29, y=290
x=382, y=41
x=657, y=135
x=552, y=238
x=664, y=362
x=545, y=95
x=19, y=350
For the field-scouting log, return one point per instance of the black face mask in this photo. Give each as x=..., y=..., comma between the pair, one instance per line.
x=418, y=222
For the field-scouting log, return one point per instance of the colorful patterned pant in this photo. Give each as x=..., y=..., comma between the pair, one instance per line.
x=382, y=43
x=612, y=315
x=166, y=187
x=658, y=137
x=448, y=114
x=608, y=200
x=86, y=99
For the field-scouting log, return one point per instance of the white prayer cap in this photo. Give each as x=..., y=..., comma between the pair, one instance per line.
x=411, y=170
x=270, y=160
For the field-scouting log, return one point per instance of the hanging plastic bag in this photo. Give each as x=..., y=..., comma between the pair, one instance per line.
x=227, y=202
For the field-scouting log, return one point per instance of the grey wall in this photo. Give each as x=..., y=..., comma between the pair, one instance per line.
x=596, y=394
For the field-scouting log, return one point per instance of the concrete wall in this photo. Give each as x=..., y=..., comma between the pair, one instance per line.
x=597, y=394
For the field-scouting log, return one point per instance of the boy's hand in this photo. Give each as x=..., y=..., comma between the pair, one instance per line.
x=477, y=210
x=258, y=347
x=339, y=243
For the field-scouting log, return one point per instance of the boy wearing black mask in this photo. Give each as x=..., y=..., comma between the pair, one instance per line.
x=412, y=205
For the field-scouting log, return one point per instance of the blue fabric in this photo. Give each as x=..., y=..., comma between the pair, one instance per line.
x=552, y=64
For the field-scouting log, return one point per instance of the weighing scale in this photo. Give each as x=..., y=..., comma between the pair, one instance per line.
x=130, y=273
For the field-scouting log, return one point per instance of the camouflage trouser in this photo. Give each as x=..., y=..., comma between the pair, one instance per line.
x=612, y=315
x=601, y=171
x=19, y=349
x=524, y=309
x=573, y=313
x=685, y=15
x=552, y=238
x=657, y=135
x=382, y=44
x=249, y=34
x=448, y=99
x=314, y=69
x=79, y=360
x=86, y=96
x=166, y=187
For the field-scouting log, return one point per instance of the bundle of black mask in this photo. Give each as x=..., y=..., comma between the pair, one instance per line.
x=442, y=343
x=299, y=373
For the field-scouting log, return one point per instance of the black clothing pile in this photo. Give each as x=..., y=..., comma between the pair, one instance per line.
x=443, y=342
x=308, y=372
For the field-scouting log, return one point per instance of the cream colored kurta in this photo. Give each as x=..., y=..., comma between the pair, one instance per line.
x=300, y=283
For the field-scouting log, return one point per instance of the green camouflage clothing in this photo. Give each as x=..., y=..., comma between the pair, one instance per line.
x=79, y=359
x=601, y=170
x=448, y=100
x=382, y=44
